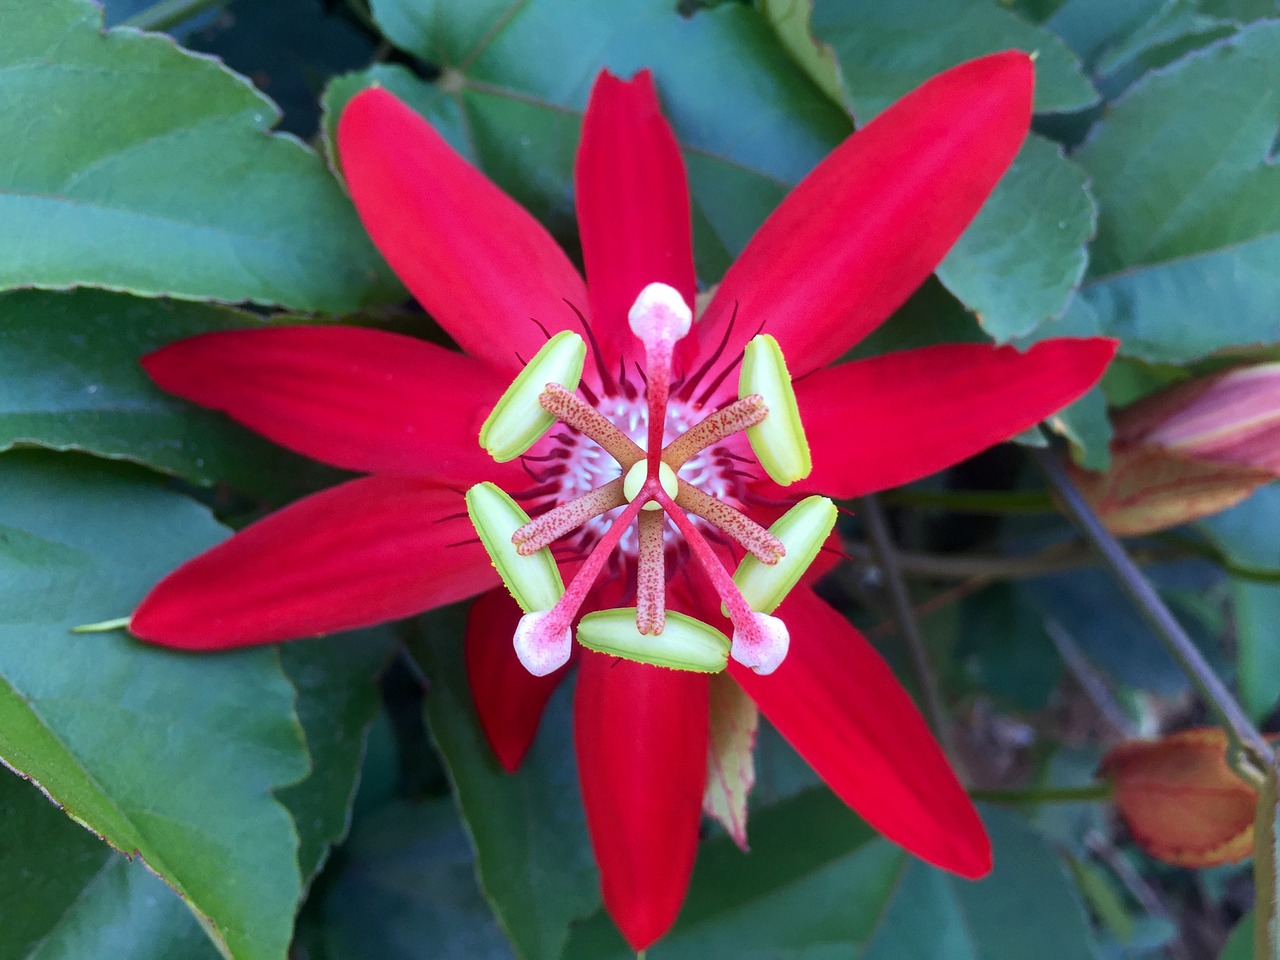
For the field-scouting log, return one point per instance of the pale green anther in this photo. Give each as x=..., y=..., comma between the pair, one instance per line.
x=803, y=530
x=685, y=643
x=778, y=441
x=534, y=580
x=518, y=421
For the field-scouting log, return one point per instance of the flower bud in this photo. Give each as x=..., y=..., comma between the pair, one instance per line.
x=684, y=644
x=778, y=441
x=518, y=420
x=1189, y=451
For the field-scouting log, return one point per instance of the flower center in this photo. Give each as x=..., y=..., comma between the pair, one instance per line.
x=649, y=444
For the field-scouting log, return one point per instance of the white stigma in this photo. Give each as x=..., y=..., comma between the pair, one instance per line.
x=660, y=315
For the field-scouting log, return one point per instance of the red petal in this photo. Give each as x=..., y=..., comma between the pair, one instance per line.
x=371, y=550
x=358, y=399
x=508, y=698
x=878, y=423
x=633, y=206
x=836, y=701
x=473, y=257
x=641, y=736
x=870, y=223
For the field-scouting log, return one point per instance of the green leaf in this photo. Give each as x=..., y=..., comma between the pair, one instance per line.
x=819, y=885
x=1246, y=534
x=528, y=828
x=171, y=755
x=138, y=166
x=748, y=122
x=407, y=890
x=886, y=49
x=1019, y=261
x=1239, y=945
x=790, y=20
x=335, y=678
x=73, y=383
x=65, y=894
x=1189, y=233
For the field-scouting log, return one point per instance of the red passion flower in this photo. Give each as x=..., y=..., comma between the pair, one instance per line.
x=837, y=257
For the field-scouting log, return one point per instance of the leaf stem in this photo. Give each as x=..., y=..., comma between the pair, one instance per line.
x=972, y=501
x=873, y=516
x=1215, y=693
x=169, y=13
x=1036, y=795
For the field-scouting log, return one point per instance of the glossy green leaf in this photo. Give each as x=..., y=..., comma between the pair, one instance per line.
x=74, y=383
x=819, y=884
x=747, y=120
x=66, y=894
x=171, y=755
x=407, y=890
x=144, y=168
x=886, y=49
x=336, y=681
x=1189, y=233
x=527, y=828
x=790, y=20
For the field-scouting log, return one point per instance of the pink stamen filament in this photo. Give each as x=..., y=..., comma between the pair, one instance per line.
x=591, y=423
x=566, y=608
x=752, y=537
x=567, y=517
x=721, y=425
x=651, y=581
x=740, y=612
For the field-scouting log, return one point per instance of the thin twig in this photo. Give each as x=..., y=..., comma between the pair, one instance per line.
x=1038, y=795
x=169, y=13
x=1059, y=558
x=872, y=515
x=1211, y=688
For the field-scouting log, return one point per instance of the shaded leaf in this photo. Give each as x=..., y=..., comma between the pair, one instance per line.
x=407, y=890
x=819, y=885
x=335, y=678
x=1189, y=233
x=137, y=166
x=65, y=894
x=886, y=49
x=171, y=755
x=75, y=384
x=527, y=828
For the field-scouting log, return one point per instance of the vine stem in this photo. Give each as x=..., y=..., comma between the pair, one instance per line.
x=169, y=13
x=873, y=516
x=1139, y=589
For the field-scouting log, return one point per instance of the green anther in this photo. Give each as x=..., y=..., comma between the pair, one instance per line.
x=778, y=441
x=518, y=420
x=803, y=530
x=534, y=580
x=685, y=643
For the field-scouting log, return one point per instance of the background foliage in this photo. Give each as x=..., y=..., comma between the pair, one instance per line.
x=311, y=798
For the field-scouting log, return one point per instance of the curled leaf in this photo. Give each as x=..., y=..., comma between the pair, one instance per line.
x=1180, y=798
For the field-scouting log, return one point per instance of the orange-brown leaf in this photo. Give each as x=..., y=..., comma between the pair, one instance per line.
x=1181, y=800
